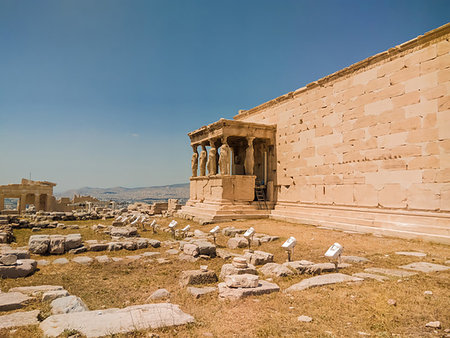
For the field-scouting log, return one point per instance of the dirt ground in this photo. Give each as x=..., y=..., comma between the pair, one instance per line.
x=341, y=310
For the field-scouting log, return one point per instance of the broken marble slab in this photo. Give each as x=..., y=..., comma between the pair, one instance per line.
x=68, y=304
x=113, y=321
x=321, y=280
x=17, y=319
x=411, y=253
x=22, y=268
x=12, y=300
x=390, y=272
x=425, y=267
x=83, y=260
x=36, y=290
x=198, y=292
x=264, y=287
x=353, y=259
x=366, y=275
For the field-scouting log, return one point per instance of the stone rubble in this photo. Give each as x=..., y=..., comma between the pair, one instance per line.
x=68, y=304
x=425, y=267
x=192, y=277
x=321, y=280
x=18, y=319
x=12, y=300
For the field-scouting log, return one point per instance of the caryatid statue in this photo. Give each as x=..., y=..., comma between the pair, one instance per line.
x=249, y=162
x=224, y=159
x=203, y=156
x=194, y=161
x=212, y=160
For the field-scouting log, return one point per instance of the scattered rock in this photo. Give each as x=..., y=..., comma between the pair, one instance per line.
x=8, y=259
x=115, y=246
x=72, y=241
x=258, y=257
x=68, y=304
x=83, y=260
x=353, y=259
x=56, y=245
x=159, y=294
x=434, y=325
x=150, y=254
x=322, y=280
x=123, y=231
x=275, y=270
x=392, y=302
x=198, y=292
x=191, y=249
x=18, y=319
x=38, y=244
x=79, y=250
x=113, y=321
x=36, y=290
x=134, y=257
x=103, y=259
x=197, y=277
x=43, y=262
x=172, y=252
x=237, y=242
x=162, y=261
x=221, y=253
x=154, y=243
x=60, y=261
x=304, y=319
x=428, y=293
x=230, y=269
x=22, y=268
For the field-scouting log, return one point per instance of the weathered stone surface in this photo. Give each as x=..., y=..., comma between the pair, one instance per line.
x=36, y=290
x=22, y=268
x=117, y=259
x=103, y=259
x=79, y=250
x=123, y=231
x=19, y=253
x=134, y=257
x=224, y=254
x=72, y=241
x=113, y=321
x=390, y=272
x=68, y=304
x=199, y=233
x=160, y=294
x=191, y=277
x=237, y=242
x=365, y=275
x=83, y=260
x=97, y=246
x=240, y=262
x=60, y=261
x=317, y=269
x=191, y=249
x=258, y=257
x=425, y=267
x=38, y=244
x=115, y=246
x=8, y=259
x=353, y=259
x=264, y=287
x=198, y=292
x=43, y=262
x=299, y=266
x=206, y=248
x=242, y=281
x=52, y=295
x=322, y=280
x=150, y=254
x=411, y=253
x=275, y=270
x=232, y=231
x=154, y=243
x=12, y=300
x=229, y=269
x=162, y=261
x=17, y=319
x=188, y=258
x=172, y=252
x=141, y=243
x=56, y=246
x=130, y=246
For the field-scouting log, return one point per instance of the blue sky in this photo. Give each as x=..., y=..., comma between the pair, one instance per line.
x=102, y=93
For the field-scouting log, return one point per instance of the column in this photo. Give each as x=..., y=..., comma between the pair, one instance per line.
x=249, y=157
x=48, y=203
x=22, y=202
x=2, y=202
x=37, y=202
x=194, y=161
x=212, y=159
x=202, y=160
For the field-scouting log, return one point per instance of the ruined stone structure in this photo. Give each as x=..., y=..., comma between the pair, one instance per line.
x=38, y=193
x=365, y=149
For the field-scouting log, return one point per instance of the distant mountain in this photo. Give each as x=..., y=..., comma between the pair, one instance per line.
x=146, y=194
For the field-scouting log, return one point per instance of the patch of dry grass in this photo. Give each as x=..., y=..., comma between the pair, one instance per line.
x=341, y=309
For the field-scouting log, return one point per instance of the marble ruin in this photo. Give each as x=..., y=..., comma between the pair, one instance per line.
x=364, y=149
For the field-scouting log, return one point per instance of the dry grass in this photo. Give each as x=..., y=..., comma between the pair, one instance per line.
x=343, y=310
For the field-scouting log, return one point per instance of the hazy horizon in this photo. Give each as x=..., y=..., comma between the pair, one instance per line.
x=103, y=93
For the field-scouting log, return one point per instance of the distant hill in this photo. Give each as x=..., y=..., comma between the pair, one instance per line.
x=146, y=194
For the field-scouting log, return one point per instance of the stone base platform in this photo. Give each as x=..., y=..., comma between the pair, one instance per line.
x=429, y=226
x=211, y=212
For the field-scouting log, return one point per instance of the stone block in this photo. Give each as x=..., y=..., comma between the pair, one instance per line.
x=425, y=267
x=332, y=278
x=56, y=245
x=230, y=269
x=242, y=281
x=12, y=300
x=22, y=268
x=72, y=241
x=191, y=277
x=68, y=304
x=237, y=242
x=191, y=249
x=38, y=244
x=52, y=295
x=198, y=292
x=18, y=319
x=275, y=270
x=258, y=257
x=264, y=287
x=392, y=196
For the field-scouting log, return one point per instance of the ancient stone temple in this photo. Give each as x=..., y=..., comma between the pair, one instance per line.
x=364, y=149
x=38, y=193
